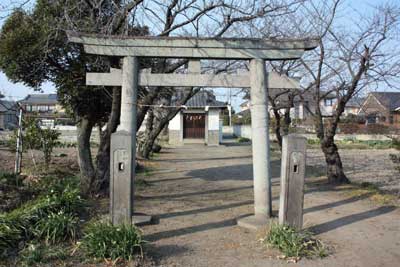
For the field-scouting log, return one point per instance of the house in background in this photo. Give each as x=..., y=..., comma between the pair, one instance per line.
x=300, y=109
x=45, y=107
x=353, y=106
x=382, y=107
x=8, y=115
x=199, y=122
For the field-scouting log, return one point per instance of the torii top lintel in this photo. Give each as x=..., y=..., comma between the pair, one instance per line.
x=188, y=47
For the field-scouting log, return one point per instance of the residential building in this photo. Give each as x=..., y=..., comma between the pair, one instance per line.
x=45, y=107
x=382, y=107
x=301, y=107
x=198, y=122
x=8, y=115
x=353, y=106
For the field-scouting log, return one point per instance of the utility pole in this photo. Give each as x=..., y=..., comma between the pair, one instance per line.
x=18, y=153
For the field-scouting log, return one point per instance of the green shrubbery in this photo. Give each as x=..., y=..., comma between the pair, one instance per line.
x=35, y=254
x=36, y=229
x=103, y=240
x=10, y=179
x=52, y=216
x=57, y=227
x=243, y=140
x=293, y=243
x=396, y=157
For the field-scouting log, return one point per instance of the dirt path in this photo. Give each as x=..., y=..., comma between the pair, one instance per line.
x=197, y=193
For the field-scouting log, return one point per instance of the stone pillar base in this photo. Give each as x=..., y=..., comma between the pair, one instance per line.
x=213, y=138
x=256, y=222
x=174, y=137
x=141, y=219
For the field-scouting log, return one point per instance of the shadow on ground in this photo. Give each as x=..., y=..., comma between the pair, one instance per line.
x=245, y=172
x=340, y=222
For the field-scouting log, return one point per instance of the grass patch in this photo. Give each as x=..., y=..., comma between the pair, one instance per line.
x=352, y=143
x=42, y=217
x=373, y=192
x=57, y=227
x=102, y=240
x=37, y=254
x=141, y=183
x=10, y=179
x=243, y=140
x=294, y=244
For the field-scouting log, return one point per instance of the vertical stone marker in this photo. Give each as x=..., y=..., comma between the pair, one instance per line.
x=123, y=147
x=292, y=180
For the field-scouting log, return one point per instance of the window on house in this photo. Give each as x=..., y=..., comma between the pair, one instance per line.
x=328, y=102
x=34, y=108
x=371, y=119
x=391, y=119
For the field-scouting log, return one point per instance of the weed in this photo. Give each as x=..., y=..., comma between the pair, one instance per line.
x=57, y=227
x=141, y=183
x=19, y=224
x=243, y=140
x=35, y=254
x=105, y=241
x=293, y=243
x=11, y=179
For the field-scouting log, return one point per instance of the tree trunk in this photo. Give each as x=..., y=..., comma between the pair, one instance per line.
x=102, y=178
x=150, y=135
x=278, y=127
x=87, y=172
x=334, y=166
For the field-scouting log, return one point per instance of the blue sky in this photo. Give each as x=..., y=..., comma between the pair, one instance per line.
x=18, y=91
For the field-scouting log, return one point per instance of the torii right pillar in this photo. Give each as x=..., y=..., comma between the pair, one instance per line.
x=260, y=147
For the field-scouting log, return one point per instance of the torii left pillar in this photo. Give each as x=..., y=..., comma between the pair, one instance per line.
x=123, y=150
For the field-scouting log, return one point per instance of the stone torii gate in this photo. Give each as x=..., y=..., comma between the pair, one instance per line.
x=123, y=142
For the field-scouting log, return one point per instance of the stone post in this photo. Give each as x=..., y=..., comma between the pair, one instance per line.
x=130, y=77
x=292, y=180
x=260, y=147
x=123, y=147
x=260, y=138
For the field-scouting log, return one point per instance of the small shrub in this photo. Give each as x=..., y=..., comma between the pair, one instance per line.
x=293, y=243
x=243, y=140
x=103, y=240
x=313, y=141
x=35, y=254
x=19, y=224
x=57, y=227
x=7, y=178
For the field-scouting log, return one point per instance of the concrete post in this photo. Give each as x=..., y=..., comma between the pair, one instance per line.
x=130, y=77
x=260, y=147
x=292, y=180
x=123, y=147
x=260, y=139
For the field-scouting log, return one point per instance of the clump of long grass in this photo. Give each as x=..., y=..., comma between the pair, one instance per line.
x=103, y=240
x=293, y=243
x=52, y=216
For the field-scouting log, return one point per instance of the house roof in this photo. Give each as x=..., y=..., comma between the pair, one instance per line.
x=7, y=106
x=245, y=103
x=45, y=99
x=355, y=102
x=203, y=99
x=390, y=100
